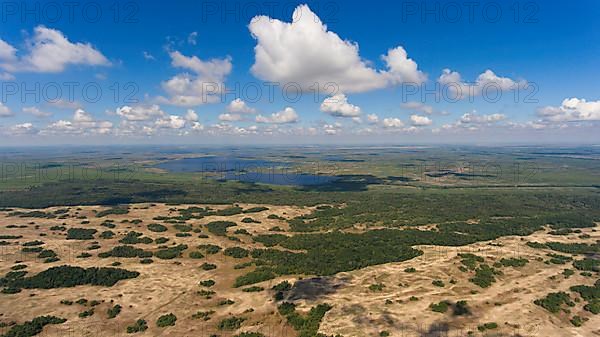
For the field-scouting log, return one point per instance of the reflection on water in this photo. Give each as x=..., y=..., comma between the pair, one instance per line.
x=246, y=170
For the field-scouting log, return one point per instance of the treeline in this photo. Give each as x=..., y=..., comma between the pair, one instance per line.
x=69, y=276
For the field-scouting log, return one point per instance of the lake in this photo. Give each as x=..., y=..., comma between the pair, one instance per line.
x=250, y=170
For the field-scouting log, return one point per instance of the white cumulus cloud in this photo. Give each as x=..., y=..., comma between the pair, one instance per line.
x=304, y=51
x=487, y=80
x=572, y=109
x=287, y=115
x=417, y=120
x=49, y=51
x=238, y=106
x=338, y=106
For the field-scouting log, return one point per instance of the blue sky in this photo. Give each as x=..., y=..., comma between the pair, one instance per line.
x=373, y=52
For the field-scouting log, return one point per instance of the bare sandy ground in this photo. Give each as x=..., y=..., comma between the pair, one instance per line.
x=171, y=286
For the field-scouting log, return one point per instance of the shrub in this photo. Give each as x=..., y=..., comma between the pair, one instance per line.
x=553, y=301
x=440, y=307
x=107, y=235
x=81, y=233
x=205, y=315
x=587, y=264
x=249, y=220
x=410, y=270
x=283, y=286
x=183, y=228
x=460, y=308
x=377, y=287
x=484, y=276
x=139, y=326
x=114, y=311
x=220, y=227
x=33, y=243
x=161, y=240
x=166, y=320
x=210, y=249
x=229, y=211
x=236, y=252
x=259, y=275
x=241, y=231
x=487, y=326
x=256, y=209
x=171, y=252
x=438, y=283
x=513, y=262
x=87, y=313
x=154, y=227
x=206, y=293
x=126, y=251
x=270, y=240
x=231, y=323
x=207, y=283
x=208, y=266
x=112, y=211
x=249, y=334
x=132, y=238
x=33, y=327
x=69, y=276
x=196, y=255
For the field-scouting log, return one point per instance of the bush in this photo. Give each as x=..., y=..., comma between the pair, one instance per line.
x=208, y=266
x=139, y=326
x=236, y=252
x=438, y=283
x=205, y=315
x=69, y=276
x=553, y=301
x=461, y=308
x=161, y=240
x=259, y=275
x=113, y=211
x=33, y=327
x=220, y=227
x=587, y=264
x=249, y=220
x=207, y=283
x=166, y=320
x=440, y=307
x=241, y=231
x=107, y=235
x=513, y=262
x=231, y=323
x=256, y=209
x=33, y=243
x=250, y=334
x=229, y=211
x=126, y=251
x=377, y=287
x=487, y=326
x=210, y=249
x=154, y=227
x=81, y=233
x=87, y=313
x=270, y=240
x=196, y=255
x=410, y=270
x=132, y=238
x=484, y=276
x=114, y=311
x=183, y=228
x=283, y=286
x=171, y=252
